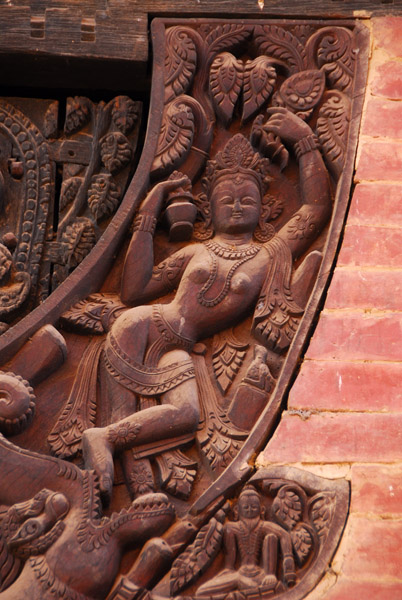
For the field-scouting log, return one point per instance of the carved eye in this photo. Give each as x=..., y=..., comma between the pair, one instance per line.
x=227, y=200
x=248, y=201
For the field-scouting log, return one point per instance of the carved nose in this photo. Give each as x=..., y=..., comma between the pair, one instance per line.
x=237, y=207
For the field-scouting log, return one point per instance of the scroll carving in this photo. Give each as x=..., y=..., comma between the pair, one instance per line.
x=154, y=393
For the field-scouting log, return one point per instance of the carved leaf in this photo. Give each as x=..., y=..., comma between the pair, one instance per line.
x=115, y=151
x=332, y=130
x=78, y=112
x=227, y=358
x=259, y=81
x=335, y=56
x=180, y=62
x=175, y=138
x=124, y=113
x=177, y=473
x=69, y=191
x=302, y=542
x=88, y=316
x=225, y=80
x=321, y=509
x=226, y=37
x=51, y=120
x=190, y=565
x=303, y=32
x=103, y=196
x=303, y=91
x=77, y=241
x=219, y=443
x=277, y=42
x=287, y=507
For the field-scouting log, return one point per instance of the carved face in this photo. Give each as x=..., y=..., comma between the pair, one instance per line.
x=249, y=505
x=235, y=205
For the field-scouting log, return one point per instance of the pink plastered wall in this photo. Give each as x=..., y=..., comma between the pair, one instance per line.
x=344, y=416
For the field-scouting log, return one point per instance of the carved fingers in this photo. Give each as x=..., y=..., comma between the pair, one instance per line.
x=285, y=124
x=153, y=203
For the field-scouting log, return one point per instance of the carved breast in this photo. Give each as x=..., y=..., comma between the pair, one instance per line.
x=240, y=283
x=199, y=273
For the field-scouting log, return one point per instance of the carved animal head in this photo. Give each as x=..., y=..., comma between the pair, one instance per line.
x=32, y=526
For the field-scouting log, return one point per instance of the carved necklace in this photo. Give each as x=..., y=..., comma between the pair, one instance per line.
x=240, y=256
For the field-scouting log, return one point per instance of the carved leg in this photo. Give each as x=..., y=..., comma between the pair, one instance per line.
x=269, y=559
x=225, y=582
x=138, y=474
x=177, y=415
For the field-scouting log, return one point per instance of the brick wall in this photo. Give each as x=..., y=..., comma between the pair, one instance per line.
x=344, y=416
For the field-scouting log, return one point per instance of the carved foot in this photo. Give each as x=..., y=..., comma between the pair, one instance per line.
x=289, y=571
x=269, y=581
x=98, y=455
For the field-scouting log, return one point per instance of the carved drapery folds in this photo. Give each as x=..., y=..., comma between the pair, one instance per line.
x=156, y=386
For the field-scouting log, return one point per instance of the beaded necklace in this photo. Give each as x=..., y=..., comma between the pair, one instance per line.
x=240, y=256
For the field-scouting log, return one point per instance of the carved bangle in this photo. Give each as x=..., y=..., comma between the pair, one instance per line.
x=306, y=144
x=144, y=222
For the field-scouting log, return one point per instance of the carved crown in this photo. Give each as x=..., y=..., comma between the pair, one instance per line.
x=238, y=157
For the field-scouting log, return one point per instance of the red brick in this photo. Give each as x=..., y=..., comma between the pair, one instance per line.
x=374, y=550
x=371, y=246
x=336, y=437
x=347, y=589
x=387, y=82
x=357, y=336
x=380, y=160
x=387, y=34
x=383, y=118
x=376, y=204
x=348, y=386
x=377, y=489
x=365, y=288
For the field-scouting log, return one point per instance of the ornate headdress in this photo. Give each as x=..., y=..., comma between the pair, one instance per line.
x=238, y=157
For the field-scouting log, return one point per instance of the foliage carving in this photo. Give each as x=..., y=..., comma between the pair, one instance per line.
x=180, y=62
x=124, y=113
x=103, y=196
x=226, y=78
x=259, y=80
x=115, y=151
x=78, y=113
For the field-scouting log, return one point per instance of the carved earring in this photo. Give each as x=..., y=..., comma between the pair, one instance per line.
x=203, y=229
x=236, y=512
x=264, y=230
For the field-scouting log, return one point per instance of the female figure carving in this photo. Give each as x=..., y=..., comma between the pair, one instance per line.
x=217, y=283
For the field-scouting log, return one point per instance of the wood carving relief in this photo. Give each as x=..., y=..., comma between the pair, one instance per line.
x=60, y=183
x=158, y=368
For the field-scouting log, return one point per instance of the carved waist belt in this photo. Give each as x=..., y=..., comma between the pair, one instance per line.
x=143, y=379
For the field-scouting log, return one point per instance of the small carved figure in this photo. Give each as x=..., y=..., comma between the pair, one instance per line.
x=252, y=392
x=251, y=550
x=218, y=282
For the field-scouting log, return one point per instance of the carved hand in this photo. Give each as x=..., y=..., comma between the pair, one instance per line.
x=154, y=201
x=288, y=126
